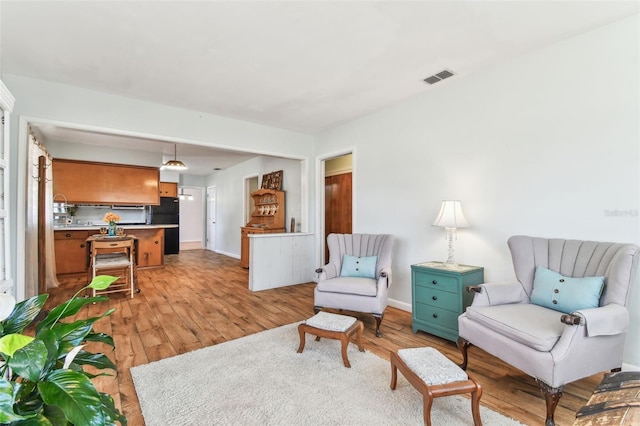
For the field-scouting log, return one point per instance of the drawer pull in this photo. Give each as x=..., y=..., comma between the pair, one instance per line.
x=434, y=282
x=67, y=235
x=434, y=297
x=435, y=315
x=81, y=245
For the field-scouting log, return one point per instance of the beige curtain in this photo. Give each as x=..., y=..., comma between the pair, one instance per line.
x=36, y=149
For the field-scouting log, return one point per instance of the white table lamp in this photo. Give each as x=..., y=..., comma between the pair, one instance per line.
x=450, y=218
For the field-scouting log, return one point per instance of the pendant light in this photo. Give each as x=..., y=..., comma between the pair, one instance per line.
x=184, y=196
x=174, y=164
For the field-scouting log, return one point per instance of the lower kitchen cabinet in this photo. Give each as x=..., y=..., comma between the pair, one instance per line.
x=440, y=296
x=71, y=251
x=150, y=246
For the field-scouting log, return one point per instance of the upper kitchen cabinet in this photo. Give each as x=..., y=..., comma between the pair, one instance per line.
x=168, y=189
x=105, y=183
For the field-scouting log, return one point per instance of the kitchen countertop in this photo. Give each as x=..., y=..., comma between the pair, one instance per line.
x=97, y=227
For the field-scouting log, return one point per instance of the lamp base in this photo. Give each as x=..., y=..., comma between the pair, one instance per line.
x=451, y=235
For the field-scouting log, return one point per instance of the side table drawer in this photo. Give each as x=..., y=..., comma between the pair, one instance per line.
x=440, y=282
x=437, y=316
x=438, y=298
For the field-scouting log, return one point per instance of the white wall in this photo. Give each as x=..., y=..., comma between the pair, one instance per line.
x=544, y=144
x=230, y=197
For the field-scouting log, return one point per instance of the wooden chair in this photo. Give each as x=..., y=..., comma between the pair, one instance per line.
x=109, y=256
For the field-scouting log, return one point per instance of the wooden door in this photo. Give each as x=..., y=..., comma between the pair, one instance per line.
x=337, y=206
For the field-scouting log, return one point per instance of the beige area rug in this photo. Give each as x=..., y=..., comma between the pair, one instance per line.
x=262, y=380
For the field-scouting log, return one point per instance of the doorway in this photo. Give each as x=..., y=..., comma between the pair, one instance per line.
x=338, y=197
x=211, y=218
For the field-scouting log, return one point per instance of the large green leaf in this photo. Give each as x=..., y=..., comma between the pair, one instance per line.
x=55, y=415
x=101, y=338
x=100, y=361
x=102, y=282
x=72, y=334
x=111, y=411
x=67, y=309
x=29, y=361
x=74, y=393
x=50, y=340
x=24, y=313
x=6, y=403
x=9, y=343
x=40, y=420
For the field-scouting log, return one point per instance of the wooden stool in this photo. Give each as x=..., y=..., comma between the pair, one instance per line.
x=434, y=375
x=332, y=326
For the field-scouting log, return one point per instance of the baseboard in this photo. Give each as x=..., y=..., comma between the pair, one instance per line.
x=400, y=305
x=630, y=367
x=191, y=245
x=235, y=256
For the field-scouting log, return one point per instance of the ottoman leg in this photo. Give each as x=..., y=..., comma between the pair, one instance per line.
x=475, y=403
x=301, y=329
x=394, y=372
x=427, y=399
x=344, y=339
x=359, y=331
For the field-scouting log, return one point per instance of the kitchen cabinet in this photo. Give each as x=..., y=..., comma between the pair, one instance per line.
x=105, y=183
x=168, y=189
x=70, y=251
x=267, y=218
x=150, y=246
x=440, y=296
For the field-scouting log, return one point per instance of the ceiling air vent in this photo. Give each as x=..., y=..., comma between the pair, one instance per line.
x=432, y=79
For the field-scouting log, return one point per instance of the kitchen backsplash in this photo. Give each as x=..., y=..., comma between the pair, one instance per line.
x=93, y=215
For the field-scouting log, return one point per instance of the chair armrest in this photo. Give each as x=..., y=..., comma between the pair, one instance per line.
x=498, y=294
x=606, y=320
x=385, y=273
x=327, y=272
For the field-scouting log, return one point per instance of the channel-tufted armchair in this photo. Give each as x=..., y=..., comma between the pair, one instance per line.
x=357, y=276
x=564, y=319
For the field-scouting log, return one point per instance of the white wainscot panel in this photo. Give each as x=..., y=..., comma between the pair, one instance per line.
x=278, y=260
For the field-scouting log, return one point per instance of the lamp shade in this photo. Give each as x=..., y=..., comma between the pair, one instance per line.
x=174, y=164
x=451, y=215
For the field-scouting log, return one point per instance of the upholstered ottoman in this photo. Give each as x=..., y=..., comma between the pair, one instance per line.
x=332, y=326
x=434, y=375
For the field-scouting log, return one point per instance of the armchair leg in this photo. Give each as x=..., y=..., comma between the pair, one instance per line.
x=463, y=346
x=552, y=397
x=378, y=318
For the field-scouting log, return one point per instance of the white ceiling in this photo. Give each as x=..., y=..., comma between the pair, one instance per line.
x=300, y=65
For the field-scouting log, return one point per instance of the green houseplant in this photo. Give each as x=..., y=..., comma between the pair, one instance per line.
x=42, y=377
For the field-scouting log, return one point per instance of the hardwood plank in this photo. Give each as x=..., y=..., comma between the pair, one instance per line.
x=201, y=298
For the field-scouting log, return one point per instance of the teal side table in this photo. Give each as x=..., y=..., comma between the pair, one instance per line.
x=440, y=296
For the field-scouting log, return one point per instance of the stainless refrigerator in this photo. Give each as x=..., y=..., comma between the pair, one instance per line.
x=167, y=213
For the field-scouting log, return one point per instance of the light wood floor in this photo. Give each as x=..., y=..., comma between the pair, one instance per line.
x=201, y=298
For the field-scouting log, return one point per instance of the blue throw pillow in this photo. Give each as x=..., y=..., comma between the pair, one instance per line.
x=565, y=294
x=362, y=267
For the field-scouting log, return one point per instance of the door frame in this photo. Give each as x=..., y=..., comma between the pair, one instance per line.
x=246, y=196
x=320, y=202
x=210, y=245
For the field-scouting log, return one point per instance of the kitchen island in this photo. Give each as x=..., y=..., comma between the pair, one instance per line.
x=71, y=247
